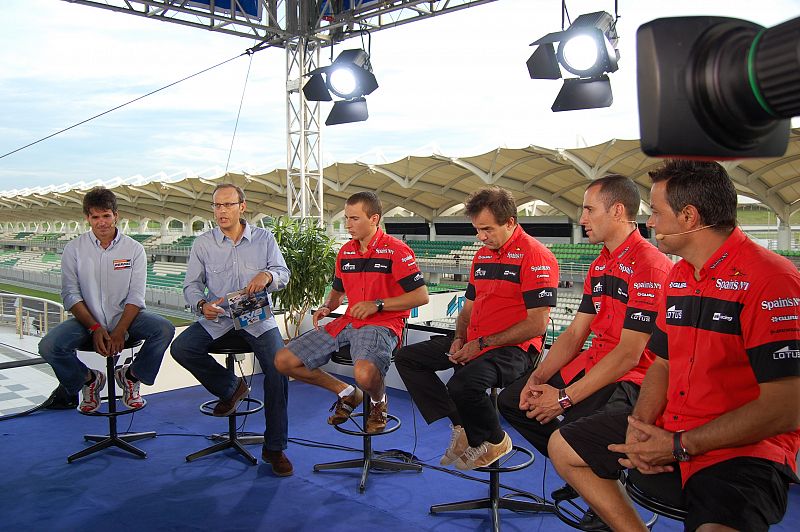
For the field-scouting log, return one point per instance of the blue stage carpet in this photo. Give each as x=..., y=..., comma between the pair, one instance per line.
x=114, y=490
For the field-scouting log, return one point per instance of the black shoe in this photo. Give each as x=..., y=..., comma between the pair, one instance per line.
x=591, y=521
x=61, y=400
x=564, y=493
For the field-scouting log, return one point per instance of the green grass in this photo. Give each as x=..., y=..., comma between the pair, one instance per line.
x=177, y=322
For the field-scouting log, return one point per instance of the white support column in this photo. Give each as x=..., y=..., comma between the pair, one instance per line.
x=784, y=235
x=303, y=134
x=577, y=233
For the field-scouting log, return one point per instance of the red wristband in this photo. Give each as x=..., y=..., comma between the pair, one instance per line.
x=94, y=327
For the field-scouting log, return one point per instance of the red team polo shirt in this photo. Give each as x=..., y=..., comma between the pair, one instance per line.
x=505, y=283
x=387, y=269
x=736, y=327
x=623, y=290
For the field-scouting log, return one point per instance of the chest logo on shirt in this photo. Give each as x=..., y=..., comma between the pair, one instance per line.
x=732, y=285
x=719, y=316
x=122, y=264
x=640, y=317
x=515, y=255
x=597, y=288
x=348, y=267
x=781, y=302
x=480, y=273
x=406, y=258
x=485, y=256
x=625, y=269
x=674, y=313
x=653, y=286
x=383, y=251
x=677, y=285
x=600, y=268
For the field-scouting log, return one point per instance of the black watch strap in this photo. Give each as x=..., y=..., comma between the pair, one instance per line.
x=679, y=452
x=200, y=306
x=379, y=304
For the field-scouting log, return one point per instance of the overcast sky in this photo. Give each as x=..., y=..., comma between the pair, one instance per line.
x=455, y=84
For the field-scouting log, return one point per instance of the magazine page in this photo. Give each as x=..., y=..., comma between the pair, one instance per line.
x=248, y=309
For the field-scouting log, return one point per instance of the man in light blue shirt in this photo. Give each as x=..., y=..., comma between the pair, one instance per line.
x=103, y=275
x=235, y=256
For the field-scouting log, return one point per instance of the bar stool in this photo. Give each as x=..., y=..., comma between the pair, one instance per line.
x=229, y=345
x=494, y=502
x=113, y=438
x=368, y=459
x=652, y=493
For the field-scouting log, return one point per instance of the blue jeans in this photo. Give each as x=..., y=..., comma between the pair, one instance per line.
x=58, y=349
x=190, y=350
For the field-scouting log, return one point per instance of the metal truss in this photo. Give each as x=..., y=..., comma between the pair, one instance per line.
x=276, y=22
x=303, y=134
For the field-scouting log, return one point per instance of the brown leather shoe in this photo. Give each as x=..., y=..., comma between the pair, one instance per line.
x=344, y=406
x=281, y=466
x=226, y=407
x=378, y=416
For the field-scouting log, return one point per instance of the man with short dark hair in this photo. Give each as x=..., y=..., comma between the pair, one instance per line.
x=620, y=302
x=719, y=408
x=231, y=257
x=512, y=286
x=381, y=280
x=103, y=274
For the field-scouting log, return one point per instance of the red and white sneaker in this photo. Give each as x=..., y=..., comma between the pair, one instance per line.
x=90, y=393
x=130, y=390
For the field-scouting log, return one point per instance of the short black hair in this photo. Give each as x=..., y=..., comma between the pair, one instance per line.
x=617, y=188
x=704, y=184
x=370, y=202
x=99, y=198
x=498, y=200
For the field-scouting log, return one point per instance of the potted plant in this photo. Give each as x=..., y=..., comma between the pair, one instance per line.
x=310, y=256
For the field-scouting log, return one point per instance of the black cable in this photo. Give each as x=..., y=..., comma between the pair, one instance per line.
x=238, y=114
x=249, y=51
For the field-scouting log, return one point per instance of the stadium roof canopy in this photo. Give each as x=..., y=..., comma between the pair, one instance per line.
x=427, y=186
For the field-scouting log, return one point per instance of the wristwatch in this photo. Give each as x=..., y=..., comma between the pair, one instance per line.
x=563, y=399
x=200, y=305
x=379, y=304
x=482, y=343
x=679, y=452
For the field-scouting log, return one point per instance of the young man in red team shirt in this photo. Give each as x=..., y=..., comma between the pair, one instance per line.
x=511, y=289
x=719, y=408
x=381, y=280
x=620, y=301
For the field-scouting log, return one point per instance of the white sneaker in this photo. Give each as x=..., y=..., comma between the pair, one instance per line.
x=130, y=390
x=484, y=454
x=90, y=393
x=458, y=444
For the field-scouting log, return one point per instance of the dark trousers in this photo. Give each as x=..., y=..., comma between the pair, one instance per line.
x=464, y=397
x=533, y=431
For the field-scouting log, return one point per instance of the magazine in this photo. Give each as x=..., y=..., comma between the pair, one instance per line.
x=248, y=309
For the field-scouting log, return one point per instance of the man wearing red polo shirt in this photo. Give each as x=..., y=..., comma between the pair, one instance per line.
x=511, y=289
x=719, y=408
x=381, y=280
x=621, y=295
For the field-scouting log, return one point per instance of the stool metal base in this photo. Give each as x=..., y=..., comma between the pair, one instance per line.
x=494, y=502
x=368, y=460
x=231, y=440
x=113, y=440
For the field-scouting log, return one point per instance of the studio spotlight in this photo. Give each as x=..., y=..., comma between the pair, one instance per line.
x=586, y=49
x=350, y=78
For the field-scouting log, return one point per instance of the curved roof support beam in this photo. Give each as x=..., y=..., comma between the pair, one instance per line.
x=484, y=176
x=186, y=192
x=603, y=170
x=272, y=186
x=565, y=155
x=388, y=173
x=543, y=175
x=426, y=171
x=145, y=192
x=518, y=162
x=740, y=176
x=771, y=166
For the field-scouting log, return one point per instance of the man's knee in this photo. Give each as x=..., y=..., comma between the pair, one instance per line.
x=366, y=373
x=46, y=346
x=165, y=329
x=558, y=449
x=179, y=349
x=508, y=402
x=286, y=361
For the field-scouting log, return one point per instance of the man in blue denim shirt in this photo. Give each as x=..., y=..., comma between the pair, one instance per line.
x=103, y=274
x=230, y=257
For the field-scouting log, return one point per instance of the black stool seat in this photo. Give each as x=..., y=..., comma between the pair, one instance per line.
x=368, y=459
x=494, y=502
x=113, y=438
x=652, y=493
x=230, y=345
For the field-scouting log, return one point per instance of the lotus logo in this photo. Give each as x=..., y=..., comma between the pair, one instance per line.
x=674, y=313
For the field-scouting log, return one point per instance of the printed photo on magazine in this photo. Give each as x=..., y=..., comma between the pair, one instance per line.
x=248, y=309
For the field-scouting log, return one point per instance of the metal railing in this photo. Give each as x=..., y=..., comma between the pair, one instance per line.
x=31, y=316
